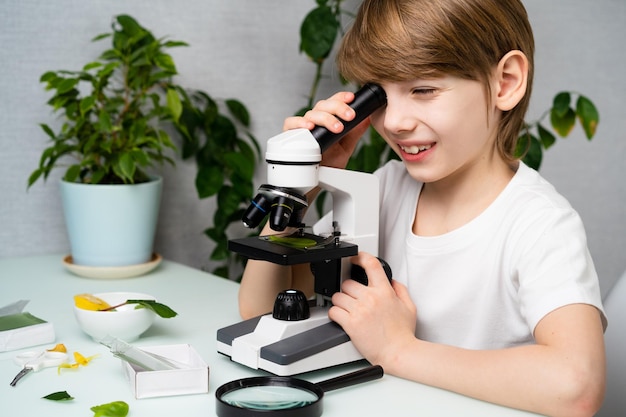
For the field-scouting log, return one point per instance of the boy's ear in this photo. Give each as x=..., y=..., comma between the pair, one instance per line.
x=511, y=80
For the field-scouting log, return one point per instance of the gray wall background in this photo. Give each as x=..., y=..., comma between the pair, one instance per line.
x=248, y=49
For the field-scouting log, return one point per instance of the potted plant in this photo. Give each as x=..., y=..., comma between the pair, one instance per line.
x=112, y=112
x=226, y=155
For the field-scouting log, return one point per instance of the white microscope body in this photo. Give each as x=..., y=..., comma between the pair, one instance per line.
x=289, y=346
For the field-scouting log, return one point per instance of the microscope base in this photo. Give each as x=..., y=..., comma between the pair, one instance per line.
x=287, y=348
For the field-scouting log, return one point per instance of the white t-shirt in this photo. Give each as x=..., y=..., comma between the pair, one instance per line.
x=487, y=284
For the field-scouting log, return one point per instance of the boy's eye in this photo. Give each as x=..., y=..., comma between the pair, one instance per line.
x=424, y=90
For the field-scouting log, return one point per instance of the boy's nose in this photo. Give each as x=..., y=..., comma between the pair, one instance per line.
x=398, y=119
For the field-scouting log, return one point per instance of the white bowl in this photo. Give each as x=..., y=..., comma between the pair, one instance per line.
x=126, y=323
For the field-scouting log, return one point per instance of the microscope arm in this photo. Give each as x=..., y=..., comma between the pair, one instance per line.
x=355, y=199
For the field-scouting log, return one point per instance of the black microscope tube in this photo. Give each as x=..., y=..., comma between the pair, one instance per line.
x=369, y=98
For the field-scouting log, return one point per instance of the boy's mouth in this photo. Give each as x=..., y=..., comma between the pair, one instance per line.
x=415, y=149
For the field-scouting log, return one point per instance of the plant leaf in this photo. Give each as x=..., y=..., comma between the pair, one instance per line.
x=563, y=123
x=209, y=180
x=560, y=104
x=113, y=409
x=588, y=116
x=239, y=111
x=174, y=104
x=534, y=155
x=318, y=33
x=34, y=177
x=127, y=166
x=66, y=85
x=240, y=164
x=161, y=309
x=72, y=173
x=547, y=138
x=59, y=396
x=86, y=104
x=48, y=131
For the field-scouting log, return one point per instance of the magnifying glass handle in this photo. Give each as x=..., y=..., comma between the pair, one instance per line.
x=363, y=375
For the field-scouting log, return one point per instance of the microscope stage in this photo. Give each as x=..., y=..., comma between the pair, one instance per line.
x=261, y=248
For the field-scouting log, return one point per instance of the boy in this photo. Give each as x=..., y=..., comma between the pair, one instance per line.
x=495, y=295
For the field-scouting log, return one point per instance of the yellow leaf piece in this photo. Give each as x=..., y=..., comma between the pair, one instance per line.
x=90, y=302
x=58, y=348
x=80, y=360
x=66, y=365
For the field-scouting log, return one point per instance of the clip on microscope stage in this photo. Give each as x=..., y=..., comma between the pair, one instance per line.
x=297, y=337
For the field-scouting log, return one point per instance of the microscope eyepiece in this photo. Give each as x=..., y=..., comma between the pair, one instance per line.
x=368, y=99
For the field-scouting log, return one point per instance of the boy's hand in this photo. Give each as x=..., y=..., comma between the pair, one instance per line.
x=326, y=114
x=379, y=318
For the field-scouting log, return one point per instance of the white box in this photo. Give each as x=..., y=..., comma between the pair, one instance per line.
x=33, y=331
x=191, y=380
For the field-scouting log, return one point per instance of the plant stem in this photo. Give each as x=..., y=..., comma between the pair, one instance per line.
x=316, y=83
x=114, y=307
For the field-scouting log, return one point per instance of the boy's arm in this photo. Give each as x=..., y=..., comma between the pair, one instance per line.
x=262, y=281
x=562, y=374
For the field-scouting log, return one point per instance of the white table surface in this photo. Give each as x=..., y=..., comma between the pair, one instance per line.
x=205, y=303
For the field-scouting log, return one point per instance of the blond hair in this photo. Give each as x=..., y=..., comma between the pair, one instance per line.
x=401, y=40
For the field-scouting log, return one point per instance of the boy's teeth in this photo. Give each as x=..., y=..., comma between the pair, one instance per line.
x=414, y=149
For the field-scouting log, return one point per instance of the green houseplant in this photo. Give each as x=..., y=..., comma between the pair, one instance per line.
x=226, y=155
x=322, y=26
x=110, y=135
x=112, y=130
x=115, y=115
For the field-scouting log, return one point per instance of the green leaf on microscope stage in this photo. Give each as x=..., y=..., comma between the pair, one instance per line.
x=292, y=242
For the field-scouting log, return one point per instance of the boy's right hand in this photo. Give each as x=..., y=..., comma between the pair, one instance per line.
x=326, y=113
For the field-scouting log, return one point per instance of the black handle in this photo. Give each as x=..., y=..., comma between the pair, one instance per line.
x=363, y=375
x=369, y=98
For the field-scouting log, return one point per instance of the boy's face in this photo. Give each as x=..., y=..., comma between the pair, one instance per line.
x=440, y=128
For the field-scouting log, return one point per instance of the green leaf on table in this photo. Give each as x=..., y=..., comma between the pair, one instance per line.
x=59, y=396
x=161, y=309
x=114, y=409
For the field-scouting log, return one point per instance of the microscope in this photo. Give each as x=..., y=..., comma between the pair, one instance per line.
x=297, y=336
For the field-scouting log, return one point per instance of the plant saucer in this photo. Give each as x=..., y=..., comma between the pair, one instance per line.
x=112, y=272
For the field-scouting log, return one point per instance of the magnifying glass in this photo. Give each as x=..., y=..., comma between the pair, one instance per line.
x=283, y=396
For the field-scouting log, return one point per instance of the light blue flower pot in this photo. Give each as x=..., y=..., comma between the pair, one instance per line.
x=111, y=225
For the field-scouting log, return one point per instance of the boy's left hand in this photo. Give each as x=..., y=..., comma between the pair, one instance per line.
x=379, y=318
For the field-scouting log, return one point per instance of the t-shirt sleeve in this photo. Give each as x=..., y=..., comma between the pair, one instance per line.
x=555, y=267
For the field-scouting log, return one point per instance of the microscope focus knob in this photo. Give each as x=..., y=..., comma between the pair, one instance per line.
x=291, y=305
